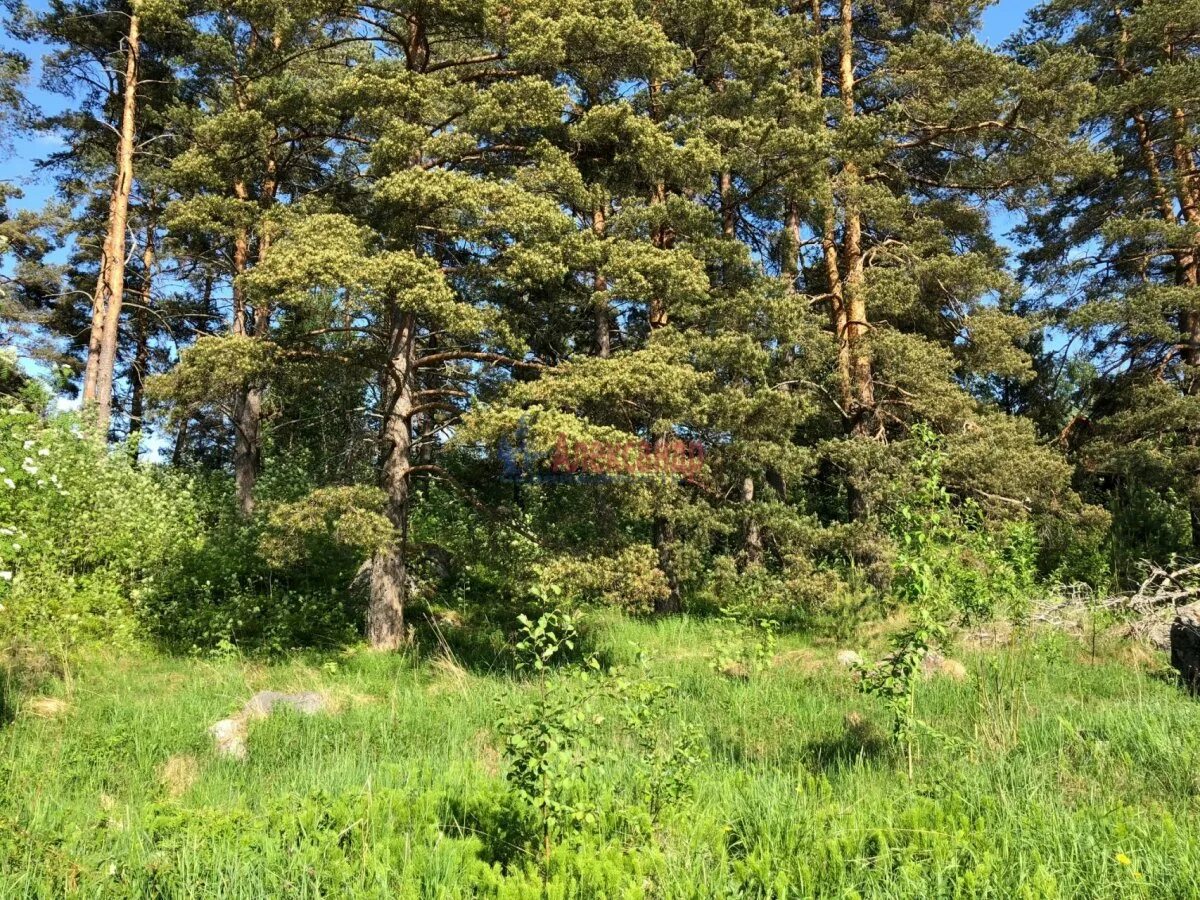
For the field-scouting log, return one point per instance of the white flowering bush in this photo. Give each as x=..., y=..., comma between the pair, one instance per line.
x=83, y=532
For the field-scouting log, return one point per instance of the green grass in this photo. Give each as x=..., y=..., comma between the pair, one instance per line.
x=1059, y=777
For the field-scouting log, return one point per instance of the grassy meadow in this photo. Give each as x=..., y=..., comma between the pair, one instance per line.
x=1051, y=773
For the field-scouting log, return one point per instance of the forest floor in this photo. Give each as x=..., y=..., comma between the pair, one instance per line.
x=1047, y=771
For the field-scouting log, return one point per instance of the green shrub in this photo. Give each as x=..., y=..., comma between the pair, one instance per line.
x=85, y=535
x=221, y=592
x=948, y=558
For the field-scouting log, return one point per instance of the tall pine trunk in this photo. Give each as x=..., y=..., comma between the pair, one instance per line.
x=110, y=287
x=863, y=419
x=247, y=405
x=829, y=248
x=1189, y=205
x=389, y=567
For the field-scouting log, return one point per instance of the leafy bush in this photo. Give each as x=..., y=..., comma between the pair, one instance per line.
x=85, y=535
x=948, y=559
x=279, y=581
x=556, y=742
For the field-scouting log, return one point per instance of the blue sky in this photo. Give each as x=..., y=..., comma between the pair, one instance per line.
x=1003, y=18
x=17, y=162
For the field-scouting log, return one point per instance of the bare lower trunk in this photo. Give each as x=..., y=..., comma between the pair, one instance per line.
x=863, y=418
x=247, y=407
x=837, y=309
x=753, y=536
x=664, y=542
x=99, y=302
x=106, y=307
x=247, y=460
x=599, y=294
x=389, y=568
x=141, y=357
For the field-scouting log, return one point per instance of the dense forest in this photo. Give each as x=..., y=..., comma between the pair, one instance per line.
x=639, y=448
x=321, y=274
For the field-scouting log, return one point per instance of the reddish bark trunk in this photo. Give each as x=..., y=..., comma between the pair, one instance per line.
x=110, y=290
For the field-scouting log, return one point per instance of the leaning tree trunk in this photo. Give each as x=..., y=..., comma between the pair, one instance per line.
x=389, y=567
x=110, y=289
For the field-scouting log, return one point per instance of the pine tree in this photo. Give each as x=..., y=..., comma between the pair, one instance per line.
x=27, y=282
x=1116, y=248
x=122, y=84
x=435, y=254
x=261, y=136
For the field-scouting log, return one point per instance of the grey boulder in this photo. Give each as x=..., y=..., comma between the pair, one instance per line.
x=229, y=735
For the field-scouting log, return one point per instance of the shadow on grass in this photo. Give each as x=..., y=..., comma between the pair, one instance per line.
x=859, y=743
x=505, y=830
x=483, y=641
x=24, y=670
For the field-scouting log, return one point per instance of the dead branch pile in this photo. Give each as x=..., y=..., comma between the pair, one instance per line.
x=1145, y=613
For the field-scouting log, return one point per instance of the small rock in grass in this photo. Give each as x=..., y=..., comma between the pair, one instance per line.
x=935, y=663
x=229, y=735
x=264, y=703
x=849, y=658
